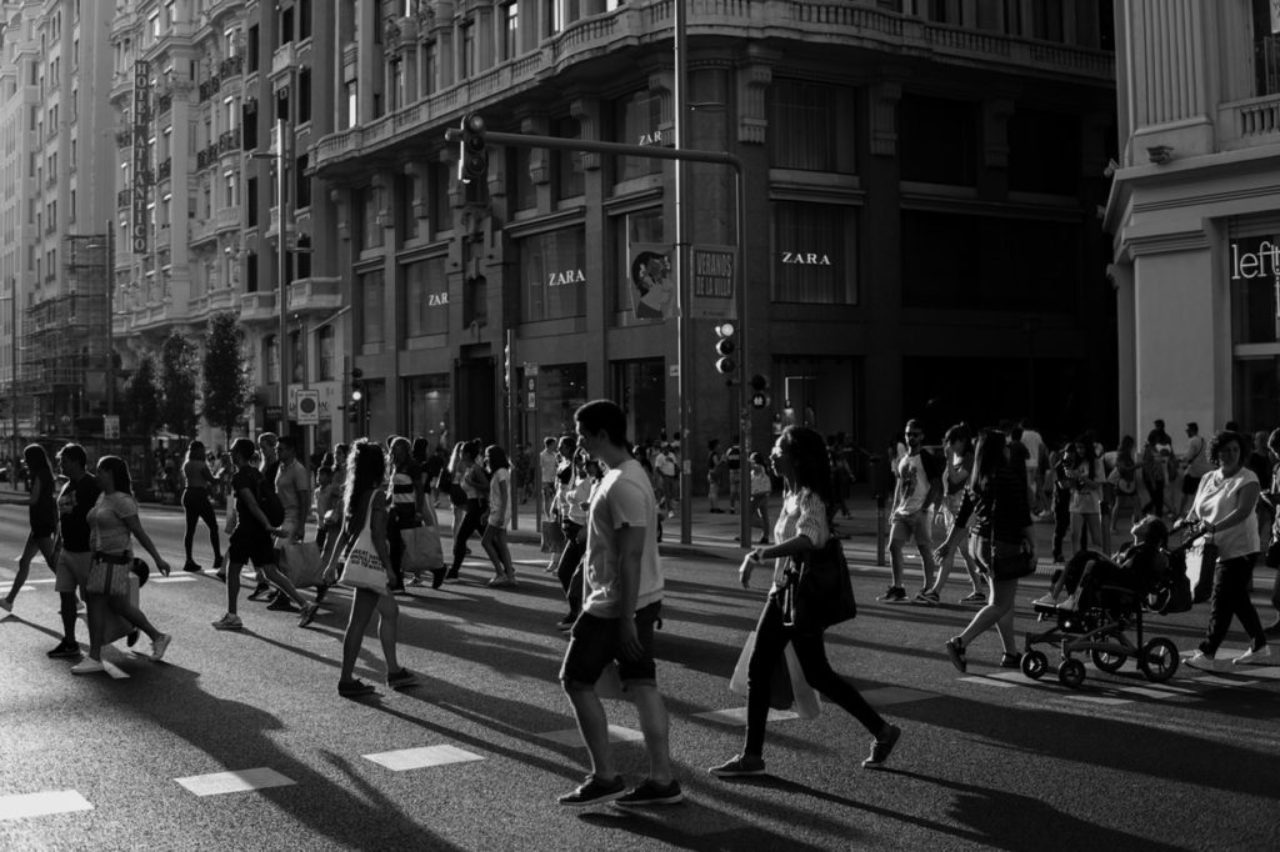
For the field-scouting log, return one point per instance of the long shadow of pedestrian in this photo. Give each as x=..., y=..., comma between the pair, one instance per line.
x=173, y=699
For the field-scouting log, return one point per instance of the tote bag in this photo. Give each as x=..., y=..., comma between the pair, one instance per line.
x=422, y=550
x=787, y=687
x=363, y=568
x=300, y=562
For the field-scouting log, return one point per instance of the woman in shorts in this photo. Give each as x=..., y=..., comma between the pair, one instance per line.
x=42, y=512
x=198, y=481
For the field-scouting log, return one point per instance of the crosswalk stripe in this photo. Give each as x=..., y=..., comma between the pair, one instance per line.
x=24, y=805
x=738, y=715
x=218, y=783
x=573, y=737
x=1099, y=699
x=988, y=681
x=421, y=758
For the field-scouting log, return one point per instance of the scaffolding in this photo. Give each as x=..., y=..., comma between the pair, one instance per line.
x=66, y=336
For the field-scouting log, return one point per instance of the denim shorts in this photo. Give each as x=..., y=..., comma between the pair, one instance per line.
x=594, y=643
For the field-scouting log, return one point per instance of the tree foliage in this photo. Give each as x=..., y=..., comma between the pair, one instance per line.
x=143, y=399
x=178, y=386
x=226, y=385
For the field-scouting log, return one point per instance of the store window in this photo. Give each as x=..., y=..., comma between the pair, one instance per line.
x=521, y=191
x=1253, y=275
x=815, y=253
x=811, y=126
x=637, y=120
x=1266, y=47
x=371, y=232
x=371, y=296
x=938, y=140
x=552, y=275
x=408, y=206
x=426, y=295
x=632, y=232
x=559, y=390
x=570, y=177
x=325, y=354
x=640, y=388
x=429, y=400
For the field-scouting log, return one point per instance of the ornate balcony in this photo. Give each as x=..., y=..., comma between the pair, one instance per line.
x=283, y=60
x=232, y=66
x=315, y=295
x=209, y=88
x=227, y=219
x=229, y=142
x=1250, y=123
x=258, y=307
x=165, y=170
x=124, y=198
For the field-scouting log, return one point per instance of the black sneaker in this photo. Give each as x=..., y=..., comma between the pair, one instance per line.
x=595, y=791
x=321, y=591
x=894, y=594
x=259, y=591
x=882, y=747
x=282, y=604
x=354, y=688
x=565, y=624
x=402, y=679
x=217, y=562
x=66, y=650
x=1010, y=661
x=741, y=765
x=956, y=652
x=652, y=793
x=437, y=578
x=192, y=567
x=131, y=639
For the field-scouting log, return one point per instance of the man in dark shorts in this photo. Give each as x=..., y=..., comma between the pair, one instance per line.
x=251, y=540
x=72, y=549
x=623, y=600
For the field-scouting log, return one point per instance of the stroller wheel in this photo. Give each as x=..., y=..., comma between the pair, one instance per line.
x=1034, y=664
x=1107, y=661
x=1159, y=660
x=1071, y=673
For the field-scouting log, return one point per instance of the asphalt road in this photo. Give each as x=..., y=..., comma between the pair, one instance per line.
x=987, y=760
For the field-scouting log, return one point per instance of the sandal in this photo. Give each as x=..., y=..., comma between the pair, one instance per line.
x=1010, y=661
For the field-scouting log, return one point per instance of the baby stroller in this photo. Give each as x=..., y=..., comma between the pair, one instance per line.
x=1099, y=626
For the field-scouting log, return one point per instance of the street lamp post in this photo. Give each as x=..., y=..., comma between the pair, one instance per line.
x=282, y=269
x=111, y=318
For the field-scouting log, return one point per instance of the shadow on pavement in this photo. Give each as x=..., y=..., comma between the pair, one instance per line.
x=684, y=827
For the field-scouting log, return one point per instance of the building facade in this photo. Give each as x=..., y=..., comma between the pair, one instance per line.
x=922, y=186
x=1195, y=213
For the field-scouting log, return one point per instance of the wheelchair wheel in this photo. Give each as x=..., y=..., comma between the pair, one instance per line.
x=1158, y=660
x=1034, y=664
x=1071, y=673
x=1107, y=661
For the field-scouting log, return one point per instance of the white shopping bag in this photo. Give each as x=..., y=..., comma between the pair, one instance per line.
x=788, y=690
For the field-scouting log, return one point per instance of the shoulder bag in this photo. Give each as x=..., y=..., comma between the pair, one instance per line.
x=818, y=591
x=363, y=568
x=1010, y=560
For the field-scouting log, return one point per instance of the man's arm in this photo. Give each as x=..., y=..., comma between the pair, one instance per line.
x=630, y=549
x=302, y=484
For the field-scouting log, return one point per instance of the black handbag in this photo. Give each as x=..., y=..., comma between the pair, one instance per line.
x=1011, y=560
x=818, y=592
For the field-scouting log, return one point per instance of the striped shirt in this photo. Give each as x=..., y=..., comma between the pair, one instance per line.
x=401, y=493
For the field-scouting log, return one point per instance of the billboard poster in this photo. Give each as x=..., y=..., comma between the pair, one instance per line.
x=653, y=282
x=714, y=279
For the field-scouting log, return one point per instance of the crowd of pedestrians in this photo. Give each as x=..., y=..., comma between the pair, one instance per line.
x=605, y=501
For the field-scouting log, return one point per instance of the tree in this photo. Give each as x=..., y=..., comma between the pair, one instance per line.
x=143, y=399
x=226, y=385
x=178, y=386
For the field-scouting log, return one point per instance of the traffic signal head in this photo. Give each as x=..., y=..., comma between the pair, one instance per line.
x=473, y=159
x=759, y=391
x=357, y=386
x=725, y=348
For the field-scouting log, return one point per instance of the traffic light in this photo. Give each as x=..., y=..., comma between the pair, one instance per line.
x=357, y=394
x=726, y=364
x=473, y=159
x=759, y=391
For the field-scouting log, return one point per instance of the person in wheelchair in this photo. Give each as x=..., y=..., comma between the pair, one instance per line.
x=1134, y=566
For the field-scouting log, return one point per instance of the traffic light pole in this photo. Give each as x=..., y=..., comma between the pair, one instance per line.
x=591, y=146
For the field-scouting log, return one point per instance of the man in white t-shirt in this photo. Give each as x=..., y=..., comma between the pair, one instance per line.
x=918, y=491
x=622, y=604
x=1195, y=464
x=1037, y=456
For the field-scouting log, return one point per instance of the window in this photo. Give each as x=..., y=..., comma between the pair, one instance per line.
x=304, y=19
x=251, y=272
x=371, y=235
x=1044, y=152
x=438, y=198
x=520, y=187
x=252, y=48
x=426, y=296
x=304, y=95
x=271, y=357
x=635, y=118
x=1253, y=275
x=286, y=25
x=1046, y=20
x=938, y=140
x=969, y=262
x=371, y=296
x=325, y=354
x=552, y=277
x=644, y=227
x=570, y=181
x=468, y=48
x=1266, y=48
x=814, y=253
x=510, y=30
x=302, y=183
x=352, y=115
x=251, y=202
x=811, y=126
x=408, y=200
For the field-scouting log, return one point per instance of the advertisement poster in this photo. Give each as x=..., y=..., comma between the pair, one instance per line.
x=653, y=281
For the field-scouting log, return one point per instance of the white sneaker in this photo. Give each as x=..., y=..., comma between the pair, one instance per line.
x=1204, y=662
x=88, y=666
x=1253, y=655
x=1050, y=600
x=159, y=646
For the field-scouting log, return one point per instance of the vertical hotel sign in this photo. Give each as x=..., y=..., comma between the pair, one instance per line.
x=141, y=170
x=714, y=280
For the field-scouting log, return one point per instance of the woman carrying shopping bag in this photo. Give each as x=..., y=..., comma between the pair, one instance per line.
x=802, y=530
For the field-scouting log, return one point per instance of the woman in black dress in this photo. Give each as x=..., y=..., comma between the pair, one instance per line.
x=42, y=511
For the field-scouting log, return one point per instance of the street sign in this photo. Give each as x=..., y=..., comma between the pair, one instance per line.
x=273, y=412
x=111, y=426
x=308, y=407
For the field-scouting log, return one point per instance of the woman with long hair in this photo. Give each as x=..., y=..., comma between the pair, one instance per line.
x=366, y=506
x=998, y=502
x=42, y=513
x=197, y=481
x=475, y=486
x=494, y=540
x=800, y=458
x=761, y=488
x=958, y=444
x=1086, y=498
x=113, y=522
x=405, y=495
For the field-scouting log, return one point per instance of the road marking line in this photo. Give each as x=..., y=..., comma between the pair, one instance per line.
x=218, y=783
x=173, y=579
x=1149, y=692
x=988, y=681
x=1099, y=699
x=420, y=758
x=738, y=715
x=1267, y=673
x=115, y=672
x=573, y=737
x=888, y=695
x=42, y=804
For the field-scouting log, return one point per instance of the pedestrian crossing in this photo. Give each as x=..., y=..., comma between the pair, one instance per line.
x=1111, y=690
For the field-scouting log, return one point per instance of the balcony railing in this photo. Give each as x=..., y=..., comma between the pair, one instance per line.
x=258, y=307
x=124, y=138
x=229, y=141
x=284, y=59
x=209, y=88
x=164, y=102
x=124, y=198
x=315, y=294
x=227, y=218
x=165, y=170
x=1244, y=124
x=231, y=67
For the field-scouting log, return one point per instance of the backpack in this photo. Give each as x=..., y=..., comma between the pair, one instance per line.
x=269, y=501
